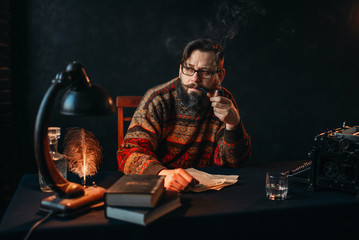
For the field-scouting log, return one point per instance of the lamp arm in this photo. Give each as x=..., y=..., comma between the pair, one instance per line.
x=46, y=165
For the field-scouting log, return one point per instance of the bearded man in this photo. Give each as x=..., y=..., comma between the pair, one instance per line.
x=183, y=123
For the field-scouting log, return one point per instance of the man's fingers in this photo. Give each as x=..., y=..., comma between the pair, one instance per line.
x=185, y=175
x=220, y=110
x=178, y=180
x=176, y=186
x=219, y=105
x=182, y=179
x=173, y=189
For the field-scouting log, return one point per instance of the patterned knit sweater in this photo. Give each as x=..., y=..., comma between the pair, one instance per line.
x=165, y=134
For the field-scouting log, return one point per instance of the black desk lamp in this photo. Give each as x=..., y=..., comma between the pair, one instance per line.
x=82, y=98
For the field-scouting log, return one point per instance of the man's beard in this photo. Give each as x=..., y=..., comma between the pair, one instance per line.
x=193, y=101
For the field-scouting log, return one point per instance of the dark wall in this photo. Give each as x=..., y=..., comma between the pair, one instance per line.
x=291, y=65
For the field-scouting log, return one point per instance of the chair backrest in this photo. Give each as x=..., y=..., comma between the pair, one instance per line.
x=121, y=103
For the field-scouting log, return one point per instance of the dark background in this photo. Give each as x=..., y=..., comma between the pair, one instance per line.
x=291, y=65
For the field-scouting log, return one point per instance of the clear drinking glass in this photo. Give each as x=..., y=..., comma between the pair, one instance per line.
x=59, y=159
x=276, y=185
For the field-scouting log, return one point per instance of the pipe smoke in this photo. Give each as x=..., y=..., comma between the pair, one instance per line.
x=235, y=17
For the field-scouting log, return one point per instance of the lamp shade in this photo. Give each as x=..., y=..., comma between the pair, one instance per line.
x=84, y=98
x=90, y=100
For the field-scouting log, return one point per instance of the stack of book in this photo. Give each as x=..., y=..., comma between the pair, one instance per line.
x=139, y=199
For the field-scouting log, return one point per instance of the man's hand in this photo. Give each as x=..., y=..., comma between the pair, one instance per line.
x=177, y=180
x=224, y=109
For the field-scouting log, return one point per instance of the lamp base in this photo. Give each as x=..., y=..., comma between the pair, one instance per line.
x=65, y=207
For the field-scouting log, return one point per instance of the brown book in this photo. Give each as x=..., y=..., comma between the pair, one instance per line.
x=134, y=190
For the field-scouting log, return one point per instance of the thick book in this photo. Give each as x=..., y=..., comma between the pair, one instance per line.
x=134, y=190
x=143, y=216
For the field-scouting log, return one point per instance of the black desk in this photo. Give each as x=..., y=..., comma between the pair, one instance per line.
x=237, y=210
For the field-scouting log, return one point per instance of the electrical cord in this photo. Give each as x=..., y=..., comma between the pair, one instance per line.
x=37, y=224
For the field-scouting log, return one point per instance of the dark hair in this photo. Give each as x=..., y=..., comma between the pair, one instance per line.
x=205, y=45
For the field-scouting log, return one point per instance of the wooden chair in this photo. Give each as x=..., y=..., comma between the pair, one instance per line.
x=121, y=103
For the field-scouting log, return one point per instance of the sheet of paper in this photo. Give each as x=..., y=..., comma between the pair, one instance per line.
x=210, y=181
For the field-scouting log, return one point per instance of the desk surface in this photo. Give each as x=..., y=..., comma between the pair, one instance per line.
x=242, y=208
